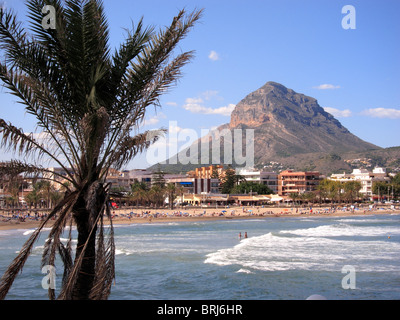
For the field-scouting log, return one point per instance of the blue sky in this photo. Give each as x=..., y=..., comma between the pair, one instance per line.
x=241, y=45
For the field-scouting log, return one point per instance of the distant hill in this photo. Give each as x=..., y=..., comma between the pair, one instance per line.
x=291, y=130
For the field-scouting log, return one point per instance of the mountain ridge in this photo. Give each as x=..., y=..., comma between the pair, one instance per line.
x=289, y=128
x=297, y=120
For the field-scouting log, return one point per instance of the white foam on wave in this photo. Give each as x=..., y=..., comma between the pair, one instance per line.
x=122, y=252
x=65, y=240
x=310, y=251
x=343, y=229
x=269, y=253
x=244, y=271
x=28, y=232
x=139, y=249
x=360, y=220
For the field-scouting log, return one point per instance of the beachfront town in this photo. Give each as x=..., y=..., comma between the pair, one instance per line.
x=206, y=186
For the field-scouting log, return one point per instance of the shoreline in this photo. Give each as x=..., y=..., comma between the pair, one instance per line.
x=123, y=216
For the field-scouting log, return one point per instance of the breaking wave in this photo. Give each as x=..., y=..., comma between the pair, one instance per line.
x=320, y=248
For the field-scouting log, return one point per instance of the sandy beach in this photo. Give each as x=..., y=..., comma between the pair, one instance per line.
x=134, y=215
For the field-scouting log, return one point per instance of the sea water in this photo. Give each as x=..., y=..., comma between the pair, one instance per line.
x=282, y=258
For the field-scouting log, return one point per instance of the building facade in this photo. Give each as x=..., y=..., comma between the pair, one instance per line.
x=196, y=186
x=270, y=179
x=297, y=182
x=207, y=172
x=363, y=176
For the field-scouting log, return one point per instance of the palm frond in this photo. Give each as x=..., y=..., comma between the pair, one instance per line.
x=136, y=41
x=129, y=147
x=105, y=260
x=12, y=35
x=44, y=107
x=149, y=76
x=66, y=255
x=153, y=59
x=18, y=263
x=15, y=139
x=33, y=172
x=54, y=244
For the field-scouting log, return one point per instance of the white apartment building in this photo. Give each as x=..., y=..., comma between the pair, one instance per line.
x=141, y=175
x=365, y=177
x=270, y=179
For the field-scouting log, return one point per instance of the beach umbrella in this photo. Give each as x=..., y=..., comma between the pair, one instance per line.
x=223, y=211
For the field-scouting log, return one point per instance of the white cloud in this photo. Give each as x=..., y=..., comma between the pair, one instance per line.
x=214, y=56
x=382, y=113
x=326, y=87
x=172, y=104
x=338, y=113
x=194, y=100
x=195, y=105
x=174, y=129
x=39, y=136
x=209, y=94
x=154, y=119
x=225, y=111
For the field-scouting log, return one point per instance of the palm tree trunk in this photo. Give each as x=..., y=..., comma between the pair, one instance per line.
x=86, y=212
x=85, y=278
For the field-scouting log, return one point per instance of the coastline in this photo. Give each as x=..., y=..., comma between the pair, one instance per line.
x=123, y=216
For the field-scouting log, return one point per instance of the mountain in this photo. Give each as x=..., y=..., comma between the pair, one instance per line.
x=290, y=128
x=287, y=123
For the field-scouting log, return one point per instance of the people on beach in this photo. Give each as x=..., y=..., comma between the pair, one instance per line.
x=10, y=217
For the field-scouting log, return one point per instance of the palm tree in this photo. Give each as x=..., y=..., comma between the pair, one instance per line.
x=156, y=195
x=351, y=189
x=294, y=196
x=171, y=192
x=330, y=189
x=322, y=191
x=34, y=196
x=45, y=190
x=180, y=191
x=308, y=196
x=230, y=180
x=12, y=184
x=87, y=102
x=139, y=192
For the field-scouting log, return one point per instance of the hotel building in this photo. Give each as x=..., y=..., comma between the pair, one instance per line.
x=297, y=182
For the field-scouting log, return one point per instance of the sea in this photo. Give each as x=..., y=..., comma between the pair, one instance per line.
x=282, y=258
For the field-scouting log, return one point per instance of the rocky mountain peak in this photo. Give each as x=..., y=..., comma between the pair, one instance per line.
x=271, y=102
x=290, y=122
